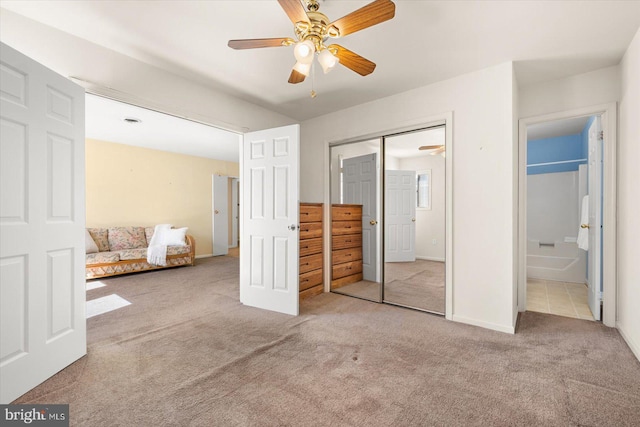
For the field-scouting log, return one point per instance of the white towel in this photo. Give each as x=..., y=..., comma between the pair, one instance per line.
x=157, y=251
x=583, y=233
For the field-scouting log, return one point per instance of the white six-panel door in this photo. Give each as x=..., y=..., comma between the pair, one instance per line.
x=220, y=215
x=400, y=216
x=359, y=183
x=269, y=233
x=594, y=254
x=42, y=219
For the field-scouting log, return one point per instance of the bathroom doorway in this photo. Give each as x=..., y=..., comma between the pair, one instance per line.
x=567, y=214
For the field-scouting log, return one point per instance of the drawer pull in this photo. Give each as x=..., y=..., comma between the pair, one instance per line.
x=304, y=247
x=306, y=263
x=349, y=268
x=305, y=280
x=348, y=226
x=347, y=241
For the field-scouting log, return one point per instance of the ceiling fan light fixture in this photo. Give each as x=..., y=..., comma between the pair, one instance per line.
x=303, y=51
x=327, y=60
x=302, y=68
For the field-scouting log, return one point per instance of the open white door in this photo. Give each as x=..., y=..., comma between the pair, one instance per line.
x=42, y=220
x=400, y=216
x=594, y=255
x=234, y=213
x=359, y=183
x=269, y=233
x=220, y=215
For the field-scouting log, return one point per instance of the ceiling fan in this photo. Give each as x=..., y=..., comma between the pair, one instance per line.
x=434, y=149
x=313, y=29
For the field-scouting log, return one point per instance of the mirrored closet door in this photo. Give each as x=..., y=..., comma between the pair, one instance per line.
x=356, y=206
x=414, y=219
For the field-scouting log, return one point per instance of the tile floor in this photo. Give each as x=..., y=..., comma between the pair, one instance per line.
x=560, y=298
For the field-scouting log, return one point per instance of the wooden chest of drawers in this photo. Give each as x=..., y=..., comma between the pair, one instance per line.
x=346, y=245
x=311, y=260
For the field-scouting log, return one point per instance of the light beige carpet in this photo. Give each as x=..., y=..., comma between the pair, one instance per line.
x=187, y=353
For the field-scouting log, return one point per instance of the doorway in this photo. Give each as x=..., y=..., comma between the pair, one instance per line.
x=567, y=214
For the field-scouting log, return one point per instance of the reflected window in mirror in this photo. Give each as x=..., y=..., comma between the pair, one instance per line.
x=424, y=189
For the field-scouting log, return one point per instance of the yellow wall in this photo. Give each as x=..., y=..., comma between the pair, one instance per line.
x=128, y=185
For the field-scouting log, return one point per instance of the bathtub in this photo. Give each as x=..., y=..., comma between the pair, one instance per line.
x=563, y=262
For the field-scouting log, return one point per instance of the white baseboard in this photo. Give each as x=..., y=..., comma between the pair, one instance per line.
x=487, y=325
x=635, y=348
x=204, y=256
x=428, y=258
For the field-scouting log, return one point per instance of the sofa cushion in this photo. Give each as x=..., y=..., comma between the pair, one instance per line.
x=126, y=238
x=100, y=236
x=102, y=258
x=127, y=254
x=148, y=233
x=178, y=250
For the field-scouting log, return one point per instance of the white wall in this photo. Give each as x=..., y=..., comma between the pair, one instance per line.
x=483, y=198
x=153, y=88
x=430, y=224
x=629, y=198
x=582, y=90
x=552, y=206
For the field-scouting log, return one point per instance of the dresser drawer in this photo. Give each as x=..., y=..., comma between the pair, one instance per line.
x=310, y=246
x=310, y=279
x=346, y=241
x=310, y=213
x=310, y=230
x=346, y=269
x=346, y=227
x=310, y=262
x=346, y=212
x=346, y=255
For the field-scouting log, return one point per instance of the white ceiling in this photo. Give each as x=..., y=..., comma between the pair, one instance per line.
x=105, y=121
x=408, y=144
x=426, y=42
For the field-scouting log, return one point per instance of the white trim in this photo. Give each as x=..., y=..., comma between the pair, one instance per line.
x=609, y=122
x=204, y=256
x=430, y=258
x=486, y=325
x=445, y=119
x=635, y=347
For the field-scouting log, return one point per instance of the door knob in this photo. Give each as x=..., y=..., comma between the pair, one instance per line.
x=216, y=212
x=584, y=226
x=413, y=220
x=292, y=227
x=373, y=222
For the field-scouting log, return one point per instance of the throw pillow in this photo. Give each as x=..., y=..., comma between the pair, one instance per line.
x=90, y=246
x=175, y=237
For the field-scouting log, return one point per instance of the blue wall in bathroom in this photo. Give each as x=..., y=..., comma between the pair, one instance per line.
x=563, y=148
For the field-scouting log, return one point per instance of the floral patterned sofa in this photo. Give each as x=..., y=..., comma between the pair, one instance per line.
x=123, y=250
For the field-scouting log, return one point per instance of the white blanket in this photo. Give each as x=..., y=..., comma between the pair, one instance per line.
x=157, y=252
x=583, y=233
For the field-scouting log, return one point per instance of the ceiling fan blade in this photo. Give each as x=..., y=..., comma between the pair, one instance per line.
x=255, y=43
x=438, y=151
x=296, y=77
x=294, y=10
x=431, y=147
x=367, y=16
x=353, y=61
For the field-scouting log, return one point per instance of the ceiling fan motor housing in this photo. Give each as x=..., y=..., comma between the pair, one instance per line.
x=317, y=30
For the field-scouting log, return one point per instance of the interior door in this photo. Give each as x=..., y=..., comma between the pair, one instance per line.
x=594, y=255
x=360, y=188
x=400, y=216
x=220, y=215
x=42, y=220
x=269, y=233
x=234, y=213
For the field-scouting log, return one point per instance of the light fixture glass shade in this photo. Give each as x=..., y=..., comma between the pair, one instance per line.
x=303, y=51
x=327, y=60
x=302, y=68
